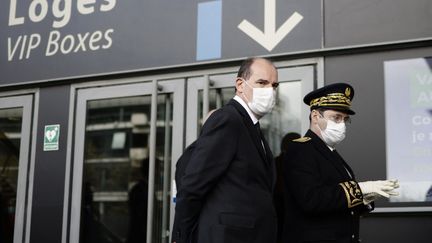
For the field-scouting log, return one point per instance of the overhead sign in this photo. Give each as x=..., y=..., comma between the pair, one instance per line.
x=55, y=43
x=271, y=36
x=44, y=40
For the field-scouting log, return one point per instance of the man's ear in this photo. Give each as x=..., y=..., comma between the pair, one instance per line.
x=314, y=116
x=239, y=86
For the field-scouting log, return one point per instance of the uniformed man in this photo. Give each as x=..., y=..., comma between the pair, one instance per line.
x=323, y=200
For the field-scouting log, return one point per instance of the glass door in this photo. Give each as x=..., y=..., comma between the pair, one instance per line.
x=212, y=91
x=15, y=129
x=126, y=137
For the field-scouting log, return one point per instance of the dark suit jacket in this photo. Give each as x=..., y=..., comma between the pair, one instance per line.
x=226, y=192
x=181, y=164
x=322, y=201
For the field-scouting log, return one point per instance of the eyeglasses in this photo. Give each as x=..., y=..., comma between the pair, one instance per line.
x=337, y=118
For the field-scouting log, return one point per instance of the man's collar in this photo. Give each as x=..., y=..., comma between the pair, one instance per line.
x=246, y=107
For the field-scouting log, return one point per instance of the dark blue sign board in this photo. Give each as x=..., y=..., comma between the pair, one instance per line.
x=44, y=40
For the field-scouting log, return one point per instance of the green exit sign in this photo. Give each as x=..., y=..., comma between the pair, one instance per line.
x=51, y=137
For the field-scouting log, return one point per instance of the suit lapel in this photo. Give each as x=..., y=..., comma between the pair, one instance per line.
x=256, y=138
x=328, y=154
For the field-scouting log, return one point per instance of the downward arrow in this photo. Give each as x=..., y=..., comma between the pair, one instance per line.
x=270, y=37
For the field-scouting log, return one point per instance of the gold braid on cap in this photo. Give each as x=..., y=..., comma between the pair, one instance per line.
x=334, y=99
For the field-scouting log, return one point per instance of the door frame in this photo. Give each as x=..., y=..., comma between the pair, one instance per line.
x=82, y=93
x=28, y=100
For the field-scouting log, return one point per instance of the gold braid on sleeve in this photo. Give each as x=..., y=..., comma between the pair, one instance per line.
x=352, y=192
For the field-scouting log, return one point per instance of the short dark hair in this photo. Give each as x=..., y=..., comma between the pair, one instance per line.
x=245, y=68
x=245, y=71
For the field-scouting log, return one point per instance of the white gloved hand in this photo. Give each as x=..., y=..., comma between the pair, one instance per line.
x=372, y=190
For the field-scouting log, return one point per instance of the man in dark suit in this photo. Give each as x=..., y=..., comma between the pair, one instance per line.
x=226, y=189
x=323, y=200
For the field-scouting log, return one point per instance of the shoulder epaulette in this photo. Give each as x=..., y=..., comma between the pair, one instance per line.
x=302, y=139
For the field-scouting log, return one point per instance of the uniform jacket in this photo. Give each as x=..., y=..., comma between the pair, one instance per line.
x=226, y=189
x=322, y=199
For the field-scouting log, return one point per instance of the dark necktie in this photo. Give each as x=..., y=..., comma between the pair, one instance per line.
x=257, y=126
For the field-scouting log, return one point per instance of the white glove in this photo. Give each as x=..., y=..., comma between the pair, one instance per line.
x=372, y=190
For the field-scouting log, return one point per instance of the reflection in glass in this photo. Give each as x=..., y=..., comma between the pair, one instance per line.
x=285, y=116
x=116, y=170
x=115, y=180
x=10, y=137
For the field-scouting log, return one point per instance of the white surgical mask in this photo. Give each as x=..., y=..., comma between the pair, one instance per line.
x=334, y=133
x=263, y=100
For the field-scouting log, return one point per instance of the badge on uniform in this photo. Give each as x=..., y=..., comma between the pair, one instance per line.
x=302, y=139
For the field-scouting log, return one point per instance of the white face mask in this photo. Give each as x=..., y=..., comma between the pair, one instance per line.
x=334, y=133
x=263, y=100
